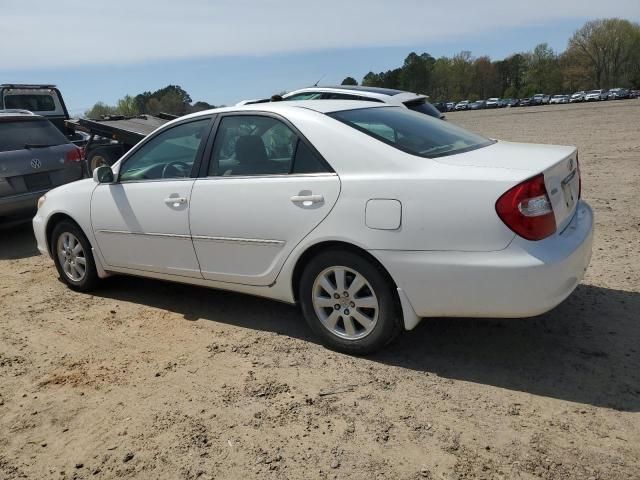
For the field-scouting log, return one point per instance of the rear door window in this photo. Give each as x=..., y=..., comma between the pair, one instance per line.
x=17, y=135
x=248, y=145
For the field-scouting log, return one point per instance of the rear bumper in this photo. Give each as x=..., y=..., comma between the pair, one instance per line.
x=523, y=280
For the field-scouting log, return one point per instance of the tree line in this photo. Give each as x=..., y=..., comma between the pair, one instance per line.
x=602, y=54
x=171, y=99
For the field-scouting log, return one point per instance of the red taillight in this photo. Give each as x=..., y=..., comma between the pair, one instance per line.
x=74, y=155
x=526, y=209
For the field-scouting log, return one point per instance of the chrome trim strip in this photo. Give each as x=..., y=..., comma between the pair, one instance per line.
x=167, y=235
x=205, y=238
x=274, y=175
x=248, y=241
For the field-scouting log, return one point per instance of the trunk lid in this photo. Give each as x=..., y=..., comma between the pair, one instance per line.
x=559, y=165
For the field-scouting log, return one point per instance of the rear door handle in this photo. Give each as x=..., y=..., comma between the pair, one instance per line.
x=307, y=199
x=175, y=201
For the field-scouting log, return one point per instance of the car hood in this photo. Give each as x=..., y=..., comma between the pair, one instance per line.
x=533, y=158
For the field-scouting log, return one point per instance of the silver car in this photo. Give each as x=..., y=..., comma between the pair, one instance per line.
x=34, y=158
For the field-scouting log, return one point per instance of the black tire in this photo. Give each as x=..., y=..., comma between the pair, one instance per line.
x=389, y=317
x=90, y=279
x=101, y=156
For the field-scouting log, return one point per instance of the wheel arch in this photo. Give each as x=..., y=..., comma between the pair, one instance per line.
x=409, y=317
x=313, y=250
x=54, y=220
x=58, y=217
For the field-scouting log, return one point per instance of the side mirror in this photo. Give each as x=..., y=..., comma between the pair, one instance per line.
x=103, y=174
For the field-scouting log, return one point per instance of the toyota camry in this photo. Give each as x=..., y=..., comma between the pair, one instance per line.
x=369, y=216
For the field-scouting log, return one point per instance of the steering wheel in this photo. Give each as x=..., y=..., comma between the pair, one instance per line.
x=178, y=173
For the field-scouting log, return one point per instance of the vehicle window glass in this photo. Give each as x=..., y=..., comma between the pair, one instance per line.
x=252, y=145
x=306, y=161
x=170, y=154
x=341, y=96
x=24, y=133
x=412, y=132
x=31, y=102
x=424, y=107
x=305, y=96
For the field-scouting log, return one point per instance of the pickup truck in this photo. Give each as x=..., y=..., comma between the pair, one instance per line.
x=41, y=99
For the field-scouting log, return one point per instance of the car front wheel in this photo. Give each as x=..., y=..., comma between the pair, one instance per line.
x=72, y=256
x=349, y=302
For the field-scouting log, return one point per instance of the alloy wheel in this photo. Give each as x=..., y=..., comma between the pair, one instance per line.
x=345, y=302
x=71, y=256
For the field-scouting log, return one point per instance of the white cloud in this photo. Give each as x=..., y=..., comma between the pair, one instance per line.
x=41, y=33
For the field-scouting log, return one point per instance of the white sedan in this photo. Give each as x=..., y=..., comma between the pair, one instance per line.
x=369, y=216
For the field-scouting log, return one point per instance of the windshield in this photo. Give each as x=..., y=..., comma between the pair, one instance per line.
x=19, y=134
x=412, y=132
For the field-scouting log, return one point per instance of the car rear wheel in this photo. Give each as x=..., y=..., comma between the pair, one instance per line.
x=72, y=257
x=349, y=302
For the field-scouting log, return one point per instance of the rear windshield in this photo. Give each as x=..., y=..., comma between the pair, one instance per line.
x=32, y=102
x=412, y=132
x=16, y=135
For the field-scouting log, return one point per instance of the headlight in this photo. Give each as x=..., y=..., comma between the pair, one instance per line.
x=41, y=201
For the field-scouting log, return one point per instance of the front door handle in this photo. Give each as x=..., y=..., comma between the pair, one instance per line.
x=175, y=201
x=307, y=199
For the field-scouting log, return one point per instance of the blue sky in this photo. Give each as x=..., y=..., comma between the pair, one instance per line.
x=202, y=46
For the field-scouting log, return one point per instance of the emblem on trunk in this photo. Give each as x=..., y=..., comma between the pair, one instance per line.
x=35, y=163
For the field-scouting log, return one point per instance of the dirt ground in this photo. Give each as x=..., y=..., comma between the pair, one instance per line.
x=153, y=380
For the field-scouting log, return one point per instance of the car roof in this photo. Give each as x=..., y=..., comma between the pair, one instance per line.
x=320, y=106
x=18, y=114
x=361, y=88
x=385, y=94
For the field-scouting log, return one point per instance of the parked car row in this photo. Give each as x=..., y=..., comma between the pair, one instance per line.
x=602, y=94
x=541, y=99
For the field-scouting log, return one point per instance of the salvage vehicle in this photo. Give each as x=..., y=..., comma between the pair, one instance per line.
x=618, y=94
x=412, y=101
x=368, y=215
x=493, y=102
x=462, y=105
x=34, y=157
x=556, y=99
x=577, y=97
x=595, y=95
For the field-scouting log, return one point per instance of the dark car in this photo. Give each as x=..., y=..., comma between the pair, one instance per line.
x=512, y=102
x=478, y=105
x=440, y=106
x=525, y=102
x=538, y=99
x=34, y=158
